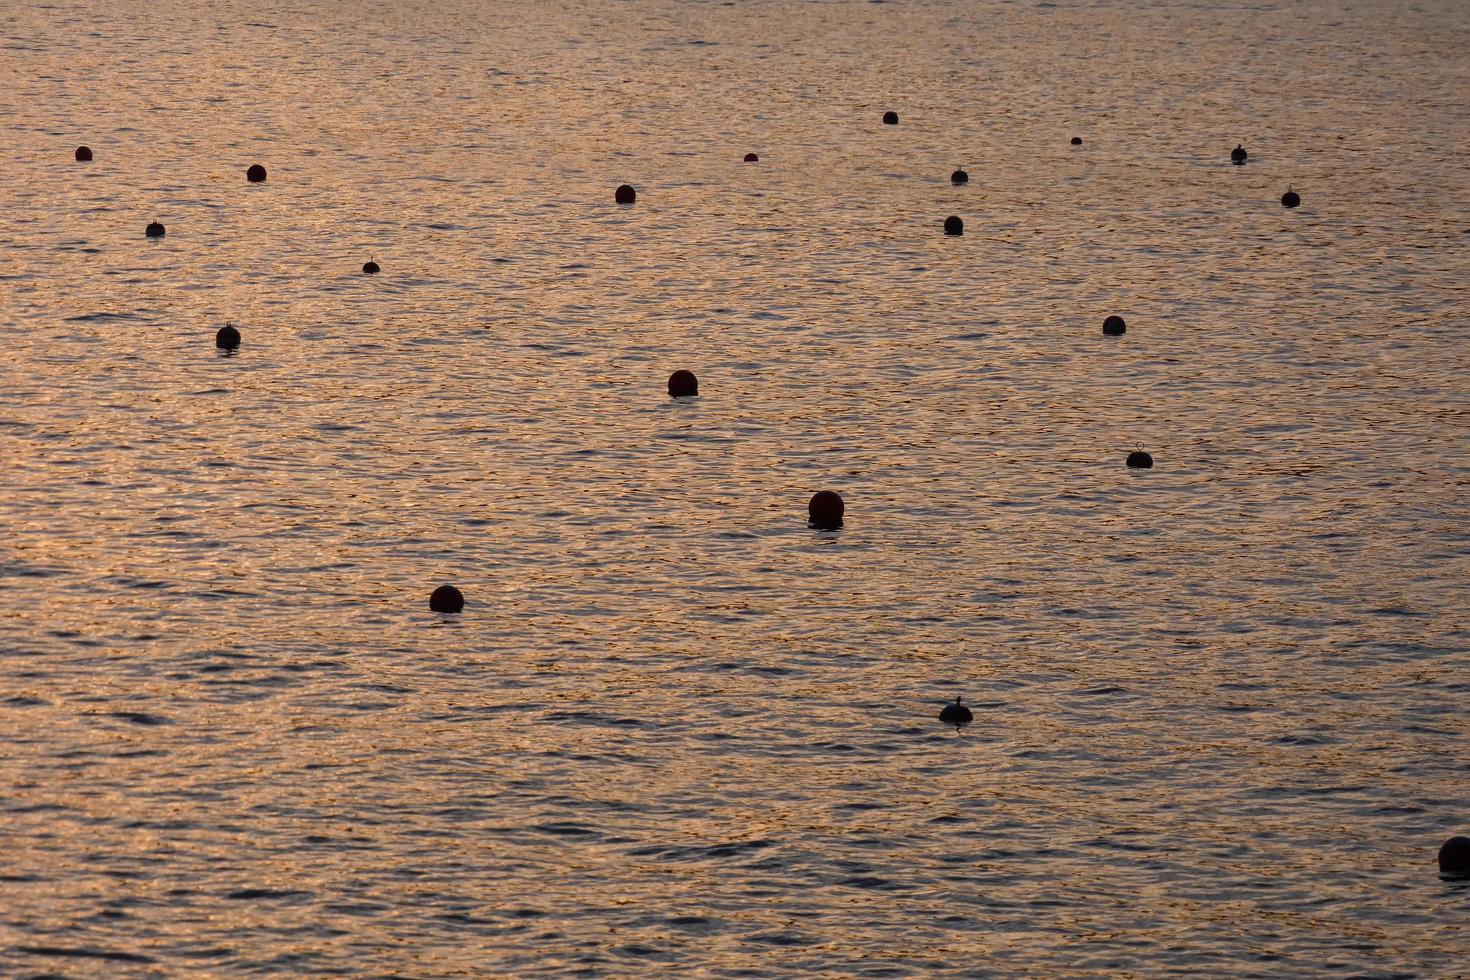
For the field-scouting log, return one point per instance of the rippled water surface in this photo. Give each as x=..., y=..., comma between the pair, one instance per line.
x=1220, y=704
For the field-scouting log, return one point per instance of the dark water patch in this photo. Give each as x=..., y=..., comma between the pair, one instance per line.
x=567, y=829
x=136, y=718
x=116, y=956
x=102, y=317
x=710, y=852
x=644, y=952
x=267, y=895
x=1305, y=739
x=781, y=939
x=596, y=718
x=696, y=923
x=872, y=883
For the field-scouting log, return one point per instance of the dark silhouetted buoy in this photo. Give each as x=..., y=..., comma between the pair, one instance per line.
x=959, y=177
x=1454, y=856
x=956, y=714
x=1290, y=199
x=1114, y=326
x=1076, y=141
x=228, y=338
x=1238, y=154
x=84, y=154
x=1140, y=460
x=825, y=510
x=256, y=174
x=890, y=118
x=752, y=158
x=953, y=226
x=446, y=599
x=682, y=384
x=154, y=230
x=371, y=267
x=625, y=194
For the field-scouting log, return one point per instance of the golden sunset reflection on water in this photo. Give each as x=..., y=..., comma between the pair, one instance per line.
x=1218, y=703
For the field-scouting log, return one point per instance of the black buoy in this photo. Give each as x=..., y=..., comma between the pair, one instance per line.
x=371, y=267
x=682, y=384
x=953, y=226
x=825, y=510
x=1290, y=199
x=890, y=118
x=1238, y=154
x=1454, y=856
x=1140, y=460
x=84, y=154
x=256, y=174
x=1114, y=326
x=625, y=194
x=154, y=230
x=752, y=158
x=956, y=714
x=228, y=338
x=446, y=599
x=1076, y=141
x=959, y=177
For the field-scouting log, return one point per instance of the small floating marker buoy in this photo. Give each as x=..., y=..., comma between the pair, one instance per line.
x=959, y=177
x=683, y=384
x=752, y=158
x=228, y=338
x=370, y=267
x=625, y=194
x=954, y=226
x=256, y=174
x=1290, y=199
x=1114, y=326
x=1454, y=856
x=1140, y=460
x=1076, y=141
x=154, y=230
x=84, y=154
x=1238, y=155
x=956, y=714
x=825, y=510
x=446, y=599
x=890, y=118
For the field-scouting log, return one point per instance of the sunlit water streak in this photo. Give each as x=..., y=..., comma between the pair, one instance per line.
x=1219, y=704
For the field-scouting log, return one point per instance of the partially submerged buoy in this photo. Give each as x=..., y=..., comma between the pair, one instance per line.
x=959, y=177
x=371, y=268
x=890, y=118
x=1290, y=199
x=1114, y=326
x=1454, y=856
x=155, y=229
x=1140, y=460
x=1238, y=154
x=83, y=154
x=956, y=714
x=446, y=599
x=625, y=194
x=256, y=174
x=227, y=338
x=683, y=384
x=825, y=510
x=953, y=225
x=752, y=158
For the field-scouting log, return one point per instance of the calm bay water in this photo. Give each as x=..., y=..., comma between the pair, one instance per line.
x=1220, y=705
